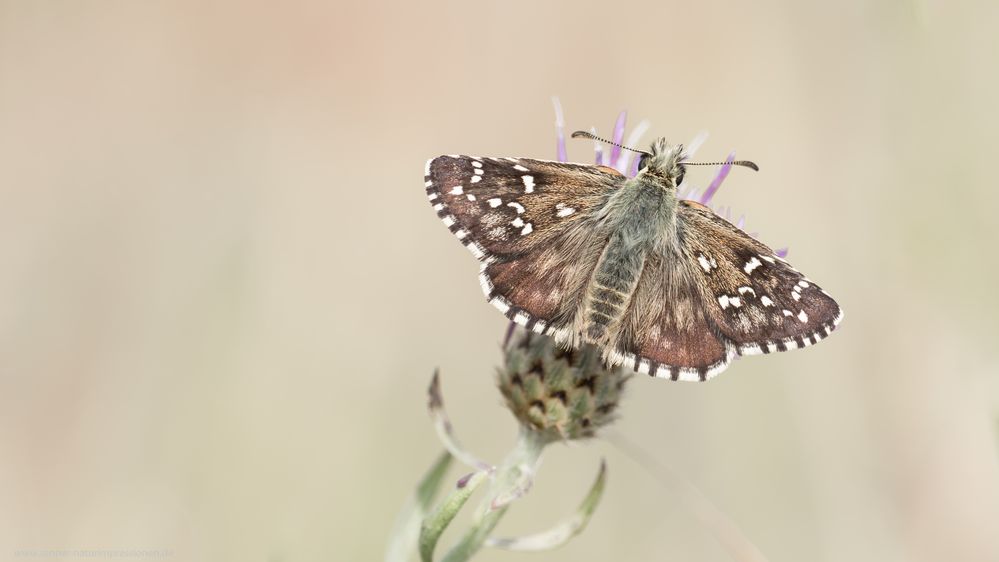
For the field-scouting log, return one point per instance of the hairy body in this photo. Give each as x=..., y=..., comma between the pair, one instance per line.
x=589, y=256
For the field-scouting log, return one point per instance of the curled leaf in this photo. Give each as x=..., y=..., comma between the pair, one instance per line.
x=561, y=533
x=445, y=431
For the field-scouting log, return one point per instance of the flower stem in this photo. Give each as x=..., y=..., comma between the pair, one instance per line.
x=515, y=475
x=511, y=480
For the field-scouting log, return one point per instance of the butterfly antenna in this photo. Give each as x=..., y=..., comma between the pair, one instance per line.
x=746, y=163
x=588, y=135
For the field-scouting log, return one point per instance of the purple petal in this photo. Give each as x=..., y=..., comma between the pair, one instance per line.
x=634, y=168
x=559, y=131
x=781, y=252
x=719, y=178
x=624, y=163
x=618, y=137
x=598, y=149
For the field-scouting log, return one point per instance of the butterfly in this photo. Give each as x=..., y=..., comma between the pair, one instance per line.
x=588, y=255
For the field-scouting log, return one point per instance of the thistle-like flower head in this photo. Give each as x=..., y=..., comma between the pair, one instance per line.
x=558, y=393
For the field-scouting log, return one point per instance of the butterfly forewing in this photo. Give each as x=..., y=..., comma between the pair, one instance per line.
x=500, y=206
x=533, y=224
x=754, y=297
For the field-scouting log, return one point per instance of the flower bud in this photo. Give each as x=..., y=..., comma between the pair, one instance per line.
x=558, y=392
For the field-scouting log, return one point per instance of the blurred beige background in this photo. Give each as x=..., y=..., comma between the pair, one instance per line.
x=222, y=291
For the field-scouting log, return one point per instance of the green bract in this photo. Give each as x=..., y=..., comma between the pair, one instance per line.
x=560, y=393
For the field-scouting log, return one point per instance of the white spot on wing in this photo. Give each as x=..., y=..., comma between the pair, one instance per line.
x=495, y=202
x=626, y=359
x=751, y=265
x=527, y=229
x=426, y=168
x=744, y=290
x=521, y=318
x=562, y=210
x=501, y=304
x=485, y=283
x=476, y=164
x=723, y=301
x=457, y=190
x=720, y=366
x=476, y=250
x=517, y=222
x=802, y=316
x=520, y=168
x=689, y=375
x=476, y=179
x=766, y=301
x=705, y=264
x=517, y=206
x=448, y=220
x=528, y=183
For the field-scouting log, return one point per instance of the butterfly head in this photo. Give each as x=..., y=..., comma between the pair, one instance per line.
x=663, y=162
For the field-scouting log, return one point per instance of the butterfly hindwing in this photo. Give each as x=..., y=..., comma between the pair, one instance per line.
x=753, y=297
x=666, y=331
x=504, y=206
x=542, y=289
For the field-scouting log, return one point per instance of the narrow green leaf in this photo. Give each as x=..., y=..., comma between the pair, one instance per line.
x=438, y=520
x=560, y=534
x=431, y=482
x=475, y=536
x=407, y=524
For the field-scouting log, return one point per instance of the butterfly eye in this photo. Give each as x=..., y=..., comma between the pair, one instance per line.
x=643, y=161
x=679, y=175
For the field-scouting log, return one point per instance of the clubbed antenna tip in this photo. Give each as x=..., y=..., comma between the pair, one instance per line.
x=589, y=135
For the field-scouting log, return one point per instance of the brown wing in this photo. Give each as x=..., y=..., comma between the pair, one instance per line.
x=666, y=331
x=542, y=289
x=534, y=224
x=509, y=206
x=753, y=297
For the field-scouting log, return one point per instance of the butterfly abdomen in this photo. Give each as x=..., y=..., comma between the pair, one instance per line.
x=611, y=288
x=635, y=213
